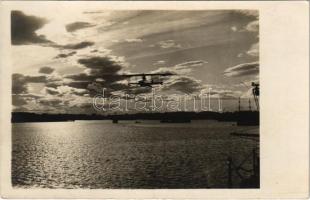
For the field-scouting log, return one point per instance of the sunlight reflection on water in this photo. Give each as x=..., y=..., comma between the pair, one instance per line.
x=97, y=154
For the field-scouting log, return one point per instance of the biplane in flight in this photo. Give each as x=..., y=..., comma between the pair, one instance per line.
x=147, y=80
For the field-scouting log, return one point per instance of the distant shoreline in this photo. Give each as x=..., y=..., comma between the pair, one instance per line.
x=243, y=116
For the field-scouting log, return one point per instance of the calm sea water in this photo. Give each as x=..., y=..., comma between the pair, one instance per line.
x=99, y=154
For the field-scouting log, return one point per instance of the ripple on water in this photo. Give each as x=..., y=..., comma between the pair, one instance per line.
x=103, y=155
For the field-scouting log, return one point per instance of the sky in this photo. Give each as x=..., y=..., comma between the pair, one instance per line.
x=62, y=59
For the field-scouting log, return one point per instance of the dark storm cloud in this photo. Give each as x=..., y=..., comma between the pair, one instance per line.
x=245, y=69
x=79, y=45
x=46, y=70
x=19, y=82
x=104, y=68
x=92, y=87
x=108, y=70
x=106, y=64
x=23, y=32
x=63, y=55
x=77, y=26
x=82, y=77
x=101, y=73
x=79, y=84
x=24, y=27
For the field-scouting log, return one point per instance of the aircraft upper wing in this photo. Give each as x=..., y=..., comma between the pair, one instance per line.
x=148, y=74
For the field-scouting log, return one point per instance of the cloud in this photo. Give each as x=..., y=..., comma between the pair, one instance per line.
x=106, y=73
x=234, y=28
x=63, y=55
x=194, y=63
x=182, y=68
x=168, y=44
x=240, y=55
x=78, y=84
x=35, y=79
x=247, y=94
x=254, y=50
x=79, y=45
x=252, y=26
x=138, y=90
x=72, y=27
x=51, y=91
x=159, y=62
x=64, y=90
x=106, y=68
x=54, y=84
x=106, y=64
x=166, y=70
x=46, y=70
x=244, y=69
x=220, y=91
x=17, y=100
x=23, y=99
x=249, y=17
x=84, y=76
x=249, y=14
x=184, y=84
x=100, y=72
x=20, y=82
x=134, y=40
x=226, y=94
x=51, y=102
x=24, y=27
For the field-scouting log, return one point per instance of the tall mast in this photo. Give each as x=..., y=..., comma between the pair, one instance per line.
x=250, y=108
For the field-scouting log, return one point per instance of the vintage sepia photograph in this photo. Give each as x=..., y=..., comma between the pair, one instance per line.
x=135, y=99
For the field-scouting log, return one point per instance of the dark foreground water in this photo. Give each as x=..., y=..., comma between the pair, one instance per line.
x=99, y=154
